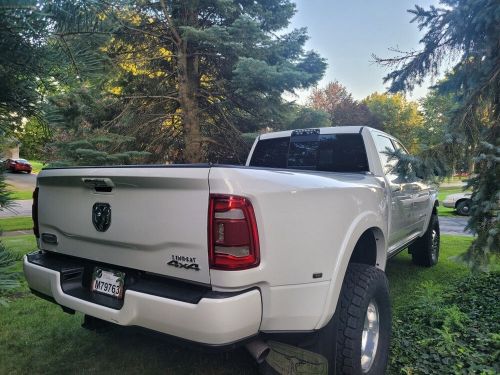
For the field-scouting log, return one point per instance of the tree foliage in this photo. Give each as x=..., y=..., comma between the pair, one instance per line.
x=5, y=194
x=192, y=75
x=397, y=116
x=341, y=107
x=467, y=30
x=9, y=278
x=305, y=117
x=22, y=36
x=33, y=135
x=85, y=132
x=449, y=331
x=439, y=135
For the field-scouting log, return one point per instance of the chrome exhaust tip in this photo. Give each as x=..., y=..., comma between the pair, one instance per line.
x=259, y=350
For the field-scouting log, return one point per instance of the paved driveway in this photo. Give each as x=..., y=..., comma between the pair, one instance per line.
x=453, y=225
x=21, y=181
x=19, y=208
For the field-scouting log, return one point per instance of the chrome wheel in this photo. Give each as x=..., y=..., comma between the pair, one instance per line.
x=434, y=245
x=369, y=339
x=463, y=208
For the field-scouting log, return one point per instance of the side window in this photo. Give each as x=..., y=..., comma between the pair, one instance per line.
x=384, y=145
x=408, y=171
x=398, y=146
x=342, y=153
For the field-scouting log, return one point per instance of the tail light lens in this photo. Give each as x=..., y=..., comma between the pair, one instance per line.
x=233, y=238
x=34, y=213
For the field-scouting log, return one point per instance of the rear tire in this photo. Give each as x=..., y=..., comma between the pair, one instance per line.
x=463, y=207
x=425, y=251
x=357, y=338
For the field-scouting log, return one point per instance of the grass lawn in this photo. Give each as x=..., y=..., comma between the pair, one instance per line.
x=20, y=245
x=456, y=179
x=22, y=194
x=16, y=223
x=36, y=165
x=37, y=337
x=402, y=273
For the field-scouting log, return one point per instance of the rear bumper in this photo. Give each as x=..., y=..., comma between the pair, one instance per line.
x=218, y=320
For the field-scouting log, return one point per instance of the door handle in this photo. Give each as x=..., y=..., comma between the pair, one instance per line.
x=100, y=185
x=395, y=188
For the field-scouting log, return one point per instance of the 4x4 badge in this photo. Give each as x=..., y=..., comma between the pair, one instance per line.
x=188, y=266
x=101, y=216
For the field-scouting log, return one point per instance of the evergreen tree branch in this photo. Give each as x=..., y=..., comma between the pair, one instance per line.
x=170, y=23
x=152, y=97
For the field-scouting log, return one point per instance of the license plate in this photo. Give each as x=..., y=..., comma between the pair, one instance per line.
x=108, y=282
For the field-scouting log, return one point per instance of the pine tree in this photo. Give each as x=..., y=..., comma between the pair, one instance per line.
x=200, y=72
x=82, y=131
x=8, y=277
x=439, y=134
x=22, y=63
x=5, y=194
x=469, y=29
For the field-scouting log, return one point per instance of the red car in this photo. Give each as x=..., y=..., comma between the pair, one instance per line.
x=18, y=165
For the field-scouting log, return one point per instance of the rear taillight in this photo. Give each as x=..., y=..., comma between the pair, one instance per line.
x=34, y=213
x=233, y=238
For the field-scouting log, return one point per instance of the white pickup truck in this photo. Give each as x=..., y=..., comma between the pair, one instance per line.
x=292, y=246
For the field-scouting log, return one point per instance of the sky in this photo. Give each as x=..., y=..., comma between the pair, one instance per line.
x=347, y=32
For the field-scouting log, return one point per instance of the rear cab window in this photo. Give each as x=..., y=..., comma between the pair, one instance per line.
x=271, y=153
x=310, y=150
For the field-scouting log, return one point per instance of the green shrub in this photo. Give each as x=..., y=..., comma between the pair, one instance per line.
x=453, y=329
x=8, y=277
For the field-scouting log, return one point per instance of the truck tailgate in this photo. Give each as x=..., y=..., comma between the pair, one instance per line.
x=157, y=216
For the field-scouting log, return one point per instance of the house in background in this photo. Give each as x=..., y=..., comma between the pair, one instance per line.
x=9, y=149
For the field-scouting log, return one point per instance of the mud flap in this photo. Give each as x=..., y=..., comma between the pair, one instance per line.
x=290, y=360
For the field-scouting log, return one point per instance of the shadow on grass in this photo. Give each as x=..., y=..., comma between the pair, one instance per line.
x=40, y=338
x=37, y=337
x=405, y=278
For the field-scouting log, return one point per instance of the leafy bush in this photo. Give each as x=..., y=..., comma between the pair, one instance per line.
x=5, y=194
x=8, y=277
x=450, y=330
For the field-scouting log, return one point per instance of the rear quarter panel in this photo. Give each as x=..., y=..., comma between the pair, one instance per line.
x=308, y=224
x=305, y=221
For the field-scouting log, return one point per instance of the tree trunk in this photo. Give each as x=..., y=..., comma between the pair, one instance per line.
x=188, y=88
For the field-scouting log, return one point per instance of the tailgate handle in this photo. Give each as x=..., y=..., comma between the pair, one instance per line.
x=102, y=185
